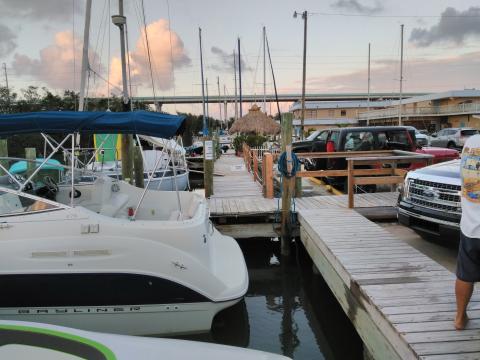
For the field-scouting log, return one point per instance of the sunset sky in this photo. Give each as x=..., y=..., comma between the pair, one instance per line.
x=41, y=41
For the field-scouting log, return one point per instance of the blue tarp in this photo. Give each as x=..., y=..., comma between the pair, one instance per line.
x=90, y=122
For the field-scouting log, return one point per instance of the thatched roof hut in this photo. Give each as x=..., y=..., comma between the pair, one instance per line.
x=255, y=122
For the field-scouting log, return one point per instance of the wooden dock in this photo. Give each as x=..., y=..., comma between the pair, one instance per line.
x=401, y=302
x=237, y=200
x=237, y=194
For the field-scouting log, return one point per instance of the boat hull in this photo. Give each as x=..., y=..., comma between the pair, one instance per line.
x=156, y=319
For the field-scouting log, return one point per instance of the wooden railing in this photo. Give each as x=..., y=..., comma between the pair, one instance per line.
x=259, y=162
x=376, y=173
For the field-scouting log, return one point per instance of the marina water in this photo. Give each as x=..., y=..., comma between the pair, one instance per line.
x=288, y=309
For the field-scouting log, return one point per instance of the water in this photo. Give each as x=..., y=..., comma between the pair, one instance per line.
x=288, y=309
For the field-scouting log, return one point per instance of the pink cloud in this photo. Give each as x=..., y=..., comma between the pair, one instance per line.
x=161, y=55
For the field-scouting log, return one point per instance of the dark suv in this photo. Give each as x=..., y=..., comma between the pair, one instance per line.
x=354, y=139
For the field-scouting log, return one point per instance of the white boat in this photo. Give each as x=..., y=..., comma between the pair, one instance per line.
x=96, y=253
x=24, y=340
x=159, y=161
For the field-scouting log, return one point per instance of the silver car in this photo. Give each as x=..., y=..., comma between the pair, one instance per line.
x=452, y=137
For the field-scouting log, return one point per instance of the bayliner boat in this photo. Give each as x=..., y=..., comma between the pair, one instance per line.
x=23, y=340
x=96, y=253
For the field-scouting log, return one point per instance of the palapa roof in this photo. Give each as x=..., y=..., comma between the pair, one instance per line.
x=255, y=122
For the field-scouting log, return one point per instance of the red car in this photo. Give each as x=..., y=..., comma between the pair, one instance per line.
x=439, y=155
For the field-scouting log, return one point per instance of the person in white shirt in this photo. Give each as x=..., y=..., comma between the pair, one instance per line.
x=468, y=262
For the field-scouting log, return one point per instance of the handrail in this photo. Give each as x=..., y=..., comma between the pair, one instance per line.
x=371, y=176
x=420, y=111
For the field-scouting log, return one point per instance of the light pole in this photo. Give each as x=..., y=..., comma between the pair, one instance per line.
x=304, y=17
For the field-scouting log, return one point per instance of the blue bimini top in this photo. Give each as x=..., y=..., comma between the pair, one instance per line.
x=92, y=122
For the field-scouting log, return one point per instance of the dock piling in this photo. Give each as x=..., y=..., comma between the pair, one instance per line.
x=138, y=166
x=208, y=156
x=30, y=154
x=288, y=186
x=4, y=153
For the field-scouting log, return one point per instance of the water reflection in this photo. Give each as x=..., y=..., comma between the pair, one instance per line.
x=287, y=310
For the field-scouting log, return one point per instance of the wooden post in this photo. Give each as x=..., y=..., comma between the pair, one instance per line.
x=298, y=187
x=138, y=166
x=127, y=158
x=351, y=187
x=268, y=175
x=31, y=154
x=208, y=159
x=255, y=167
x=288, y=185
x=4, y=153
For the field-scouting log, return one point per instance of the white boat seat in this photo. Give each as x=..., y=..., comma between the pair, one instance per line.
x=114, y=204
x=190, y=213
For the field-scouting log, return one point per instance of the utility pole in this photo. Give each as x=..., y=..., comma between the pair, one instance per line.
x=240, y=77
x=235, y=76
x=368, y=90
x=264, y=74
x=302, y=118
x=127, y=140
x=85, y=64
x=219, y=98
x=401, y=78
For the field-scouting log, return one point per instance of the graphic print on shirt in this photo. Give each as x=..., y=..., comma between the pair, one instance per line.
x=471, y=174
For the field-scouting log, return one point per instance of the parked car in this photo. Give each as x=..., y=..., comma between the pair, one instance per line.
x=453, y=138
x=422, y=138
x=429, y=201
x=354, y=139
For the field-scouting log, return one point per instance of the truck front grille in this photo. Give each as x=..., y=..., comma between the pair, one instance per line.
x=436, y=196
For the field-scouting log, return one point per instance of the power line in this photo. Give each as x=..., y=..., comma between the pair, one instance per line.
x=394, y=16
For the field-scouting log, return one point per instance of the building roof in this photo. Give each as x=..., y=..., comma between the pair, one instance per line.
x=438, y=96
x=312, y=105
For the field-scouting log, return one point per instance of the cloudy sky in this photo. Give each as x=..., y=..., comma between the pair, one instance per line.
x=41, y=42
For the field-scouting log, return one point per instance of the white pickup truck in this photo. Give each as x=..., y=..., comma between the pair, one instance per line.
x=430, y=200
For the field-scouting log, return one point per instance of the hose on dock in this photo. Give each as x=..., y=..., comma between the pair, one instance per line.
x=282, y=165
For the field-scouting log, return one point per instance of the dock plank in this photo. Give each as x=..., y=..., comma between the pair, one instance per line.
x=408, y=296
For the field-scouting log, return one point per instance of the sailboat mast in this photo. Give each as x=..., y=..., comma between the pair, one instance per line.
x=235, y=77
x=225, y=106
x=401, y=78
x=205, y=128
x=240, y=77
x=206, y=92
x=264, y=75
x=219, y=98
x=85, y=65
x=368, y=85
x=120, y=21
